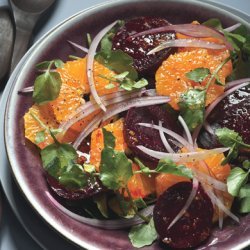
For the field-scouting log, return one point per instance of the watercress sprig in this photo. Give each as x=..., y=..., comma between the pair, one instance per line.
x=232, y=139
x=193, y=102
x=47, y=86
x=125, y=82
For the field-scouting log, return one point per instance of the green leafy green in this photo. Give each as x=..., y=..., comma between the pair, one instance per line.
x=143, y=235
x=125, y=82
x=59, y=160
x=213, y=23
x=240, y=40
x=40, y=137
x=244, y=191
x=198, y=74
x=109, y=139
x=101, y=202
x=232, y=139
x=168, y=166
x=73, y=177
x=116, y=60
x=236, y=179
x=115, y=167
x=47, y=86
x=45, y=64
x=192, y=107
x=245, y=205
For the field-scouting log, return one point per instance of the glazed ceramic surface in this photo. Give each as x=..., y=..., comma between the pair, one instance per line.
x=24, y=157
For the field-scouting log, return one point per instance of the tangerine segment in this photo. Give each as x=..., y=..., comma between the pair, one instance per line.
x=172, y=81
x=165, y=181
x=32, y=126
x=66, y=103
x=97, y=143
x=74, y=74
x=140, y=185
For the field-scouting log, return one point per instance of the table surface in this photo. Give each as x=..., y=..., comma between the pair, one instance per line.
x=12, y=235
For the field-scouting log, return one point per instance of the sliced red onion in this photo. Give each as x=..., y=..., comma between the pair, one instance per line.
x=136, y=102
x=78, y=46
x=213, y=182
x=90, y=107
x=188, y=202
x=236, y=82
x=182, y=157
x=233, y=27
x=214, y=104
x=164, y=140
x=26, y=90
x=186, y=130
x=87, y=130
x=90, y=63
x=208, y=128
x=180, y=139
x=192, y=30
x=106, y=224
x=221, y=206
x=187, y=43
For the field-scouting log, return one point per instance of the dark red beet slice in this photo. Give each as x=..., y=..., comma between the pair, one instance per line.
x=137, y=135
x=94, y=187
x=140, y=46
x=193, y=227
x=232, y=112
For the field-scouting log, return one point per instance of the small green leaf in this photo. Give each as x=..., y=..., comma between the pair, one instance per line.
x=101, y=202
x=245, y=205
x=43, y=65
x=227, y=137
x=167, y=166
x=143, y=235
x=115, y=168
x=246, y=164
x=58, y=63
x=198, y=74
x=73, y=177
x=63, y=154
x=47, y=87
x=89, y=168
x=110, y=86
x=121, y=76
x=192, y=107
x=236, y=179
x=40, y=137
x=109, y=139
x=140, y=84
x=244, y=191
x=213, y=23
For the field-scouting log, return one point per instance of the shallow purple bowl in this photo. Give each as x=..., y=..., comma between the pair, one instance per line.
x=24, y=157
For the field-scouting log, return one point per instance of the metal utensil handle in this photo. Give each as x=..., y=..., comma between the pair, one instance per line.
x=21, y=44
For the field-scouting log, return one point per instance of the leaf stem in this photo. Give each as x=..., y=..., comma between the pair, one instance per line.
x=146, y=219
x=216, y=72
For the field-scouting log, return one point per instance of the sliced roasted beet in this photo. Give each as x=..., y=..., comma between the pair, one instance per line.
x=232, y=112
x=193, y=227
x=140, y=46
x=137, y=135
x=94, y=187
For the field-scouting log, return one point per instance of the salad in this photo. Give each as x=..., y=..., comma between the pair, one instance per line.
x=148, y=130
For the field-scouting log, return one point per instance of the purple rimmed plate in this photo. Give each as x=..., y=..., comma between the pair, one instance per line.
x=24, y=157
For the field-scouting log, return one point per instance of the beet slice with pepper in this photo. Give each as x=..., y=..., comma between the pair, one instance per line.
x=135, y=134
x=232, y=112
x=193, y=227
x=138, y=47
x=93, y=187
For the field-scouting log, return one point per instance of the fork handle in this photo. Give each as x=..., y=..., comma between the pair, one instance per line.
x=22, y=39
